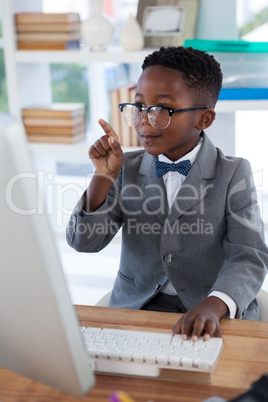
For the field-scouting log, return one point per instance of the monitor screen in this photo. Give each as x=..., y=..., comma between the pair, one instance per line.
x=39, y=333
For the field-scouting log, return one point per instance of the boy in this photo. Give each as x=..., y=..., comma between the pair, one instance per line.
x=192, y=237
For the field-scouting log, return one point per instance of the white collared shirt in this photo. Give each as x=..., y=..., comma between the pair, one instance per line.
x=173, y=182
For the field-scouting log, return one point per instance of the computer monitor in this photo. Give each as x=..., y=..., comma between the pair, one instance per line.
x=39, y=330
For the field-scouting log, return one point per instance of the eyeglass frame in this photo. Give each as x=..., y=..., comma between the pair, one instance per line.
x=170, y=110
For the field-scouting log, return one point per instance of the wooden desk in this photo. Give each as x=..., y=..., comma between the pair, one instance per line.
x=244, y=360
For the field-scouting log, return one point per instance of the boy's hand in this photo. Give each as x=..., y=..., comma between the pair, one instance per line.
x=106, y=153
x=202, y=320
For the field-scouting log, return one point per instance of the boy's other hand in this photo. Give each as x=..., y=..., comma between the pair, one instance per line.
x=106, y=153
x=202, y=320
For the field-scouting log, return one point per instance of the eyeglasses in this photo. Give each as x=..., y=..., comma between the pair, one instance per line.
x=159, y=116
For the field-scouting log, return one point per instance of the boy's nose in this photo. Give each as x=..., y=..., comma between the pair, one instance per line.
x=144, y=117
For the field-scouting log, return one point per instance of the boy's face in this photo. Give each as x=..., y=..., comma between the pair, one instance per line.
x=158, y=85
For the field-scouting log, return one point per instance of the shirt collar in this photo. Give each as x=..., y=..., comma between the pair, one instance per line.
x=191, y=155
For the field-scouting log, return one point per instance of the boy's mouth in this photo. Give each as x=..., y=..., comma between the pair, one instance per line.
x=148, y=138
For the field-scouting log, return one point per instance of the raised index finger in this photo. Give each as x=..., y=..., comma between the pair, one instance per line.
x=109, y=131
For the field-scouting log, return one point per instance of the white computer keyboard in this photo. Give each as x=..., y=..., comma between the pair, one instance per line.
x=151, y=354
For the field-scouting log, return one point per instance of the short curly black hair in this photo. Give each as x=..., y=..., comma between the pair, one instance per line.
x=199, y=70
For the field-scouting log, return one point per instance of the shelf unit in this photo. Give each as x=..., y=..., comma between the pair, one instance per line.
x=85, y=56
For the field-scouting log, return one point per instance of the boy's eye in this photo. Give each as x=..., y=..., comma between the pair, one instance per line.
x=139, y=104
x=165, y=106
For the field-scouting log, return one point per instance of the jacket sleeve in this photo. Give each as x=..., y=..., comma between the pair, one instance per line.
x=92, y=232
x=245, y=266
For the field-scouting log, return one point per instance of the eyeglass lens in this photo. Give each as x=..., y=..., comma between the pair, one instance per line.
x=158, y=116
x=131, y=115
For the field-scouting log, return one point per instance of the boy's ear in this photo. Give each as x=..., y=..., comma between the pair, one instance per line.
x=205, y=119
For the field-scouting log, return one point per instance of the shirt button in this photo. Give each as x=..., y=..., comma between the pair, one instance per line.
x=168, y=258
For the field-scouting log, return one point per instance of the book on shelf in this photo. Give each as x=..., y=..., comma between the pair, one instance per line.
x=127, y=135
x=56, y=122
x=56, y=110
x=227, y=46
x=243, y=94
x=46, y=18
x=48, y=45
x=67, y=139
x=47, y=31
x=48, y=36
x=70, y=27
x=115, y=113
x=55, y=130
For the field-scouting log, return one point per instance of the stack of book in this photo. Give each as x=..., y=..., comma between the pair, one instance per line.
x=57, y=122
x=127, y=135
x=46, y=31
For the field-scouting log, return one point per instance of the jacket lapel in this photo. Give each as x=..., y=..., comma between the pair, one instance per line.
x=153, y=188
x=194, y=187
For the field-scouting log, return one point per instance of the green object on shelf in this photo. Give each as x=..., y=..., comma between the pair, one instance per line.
x=235, y=46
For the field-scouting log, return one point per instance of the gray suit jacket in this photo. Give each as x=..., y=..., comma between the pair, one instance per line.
x=211, y=239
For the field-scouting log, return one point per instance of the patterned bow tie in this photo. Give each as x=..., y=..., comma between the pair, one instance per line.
x=162, y=168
